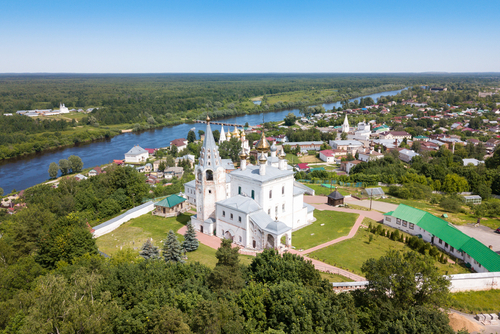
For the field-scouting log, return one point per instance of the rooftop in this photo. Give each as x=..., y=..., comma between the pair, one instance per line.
x=170, y=201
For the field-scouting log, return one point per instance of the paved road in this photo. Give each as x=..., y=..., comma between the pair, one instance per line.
x=482, y=233
x=376, y=205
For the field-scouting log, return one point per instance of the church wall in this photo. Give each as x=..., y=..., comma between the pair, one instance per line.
x=238, y=232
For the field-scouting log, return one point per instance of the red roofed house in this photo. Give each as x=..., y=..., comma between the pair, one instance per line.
x=181, y=143
x=118, y=162
x=151, y=151
x=303, y=167
x=330, y=155
x=95, y=171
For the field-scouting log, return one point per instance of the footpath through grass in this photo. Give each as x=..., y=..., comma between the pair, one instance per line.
x=134, y=233
x=352, y=253
x=476, y=301
x=336, y=224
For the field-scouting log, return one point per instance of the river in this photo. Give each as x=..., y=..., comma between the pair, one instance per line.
x=24, y=172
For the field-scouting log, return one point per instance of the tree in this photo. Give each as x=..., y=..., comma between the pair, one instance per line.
x=170, y=161
x=174, y=150
x=53, y=170
x=290, y=119
x=201, y=133
x=76, y=163
x=227, y=274
x=1, y=192
x=172, y=250
x=65, y=166
x=216, y=134
x=149, y=251
x=191, y=137
x=454, y=184
x=343, y=136
x=405, y=280
x=190, y=243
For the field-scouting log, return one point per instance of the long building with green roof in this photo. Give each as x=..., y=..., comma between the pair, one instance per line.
x=443, y=235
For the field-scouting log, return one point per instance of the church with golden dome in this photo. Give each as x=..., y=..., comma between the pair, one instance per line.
x=255, y=205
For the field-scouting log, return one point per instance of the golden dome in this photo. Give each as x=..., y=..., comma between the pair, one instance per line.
x=208, y=118
x=236, y=133
x=263, y=144
x=228, y=135
x=283, y=154
x=262, y=159
x=243, y=155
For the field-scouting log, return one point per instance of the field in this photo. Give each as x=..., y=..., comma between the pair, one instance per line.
x=458, y=218
x=476, y=301
x=135, y=232
x=352, y=253
x=336, y=224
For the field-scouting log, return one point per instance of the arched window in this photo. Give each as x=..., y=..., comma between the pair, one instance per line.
x=239, y=190
x=210, y=175
x=200, y=176
x=270, y=194
x=283, y=190
x=253, y=194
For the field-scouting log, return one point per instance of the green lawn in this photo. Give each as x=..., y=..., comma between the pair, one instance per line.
x=352, y=253
x=320, y=190
x=336, y=224
x=135, y=232
x=335, y=278
x=476, y=301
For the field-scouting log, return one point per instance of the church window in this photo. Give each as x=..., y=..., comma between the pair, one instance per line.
x=210, y=174
x=210, y=191
x=269, y=211
x=253, y=194
x=283, y=207
x=199, y=175
x=239, y=219
x=283, y=190
x=208, y=163
x=240, y=238
x=270, y=194
x=223, y=213
x=276, y=209
x=239, y=190
x=231, y=216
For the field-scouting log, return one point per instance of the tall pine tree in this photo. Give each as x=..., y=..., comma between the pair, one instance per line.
x=190, y=243
x=172, y=250
x=149, y=251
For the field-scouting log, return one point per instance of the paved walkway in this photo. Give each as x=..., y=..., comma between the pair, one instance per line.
x=376, y=205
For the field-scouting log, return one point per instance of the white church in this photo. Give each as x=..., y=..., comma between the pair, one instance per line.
x=254, y=206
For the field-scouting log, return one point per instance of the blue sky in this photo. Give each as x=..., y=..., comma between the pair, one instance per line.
x=110, y=36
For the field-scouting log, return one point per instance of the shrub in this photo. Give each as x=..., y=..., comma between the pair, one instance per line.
x=451, y=204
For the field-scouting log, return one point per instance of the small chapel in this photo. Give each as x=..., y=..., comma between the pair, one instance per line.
x=256, y=206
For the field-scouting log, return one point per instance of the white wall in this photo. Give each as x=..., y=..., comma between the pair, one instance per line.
x=140, y=210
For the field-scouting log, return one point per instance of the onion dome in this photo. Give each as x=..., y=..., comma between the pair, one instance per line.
x=273, y=148
x=283, y=154
x=228, y=135
x=236, y=133
x=243, y=155
x=263, y=144
x=262, y=159
x=208, y=118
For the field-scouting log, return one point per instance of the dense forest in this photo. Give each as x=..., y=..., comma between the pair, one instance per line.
x=145, y=101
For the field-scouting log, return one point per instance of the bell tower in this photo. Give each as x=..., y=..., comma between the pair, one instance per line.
x=210, y=178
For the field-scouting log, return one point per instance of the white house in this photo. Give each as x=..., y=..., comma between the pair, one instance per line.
x=406, y=155
x=181, y=144
x=136, y=155
x=369, y=155
x=444, y=236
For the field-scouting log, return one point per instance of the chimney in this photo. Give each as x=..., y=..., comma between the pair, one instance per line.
x=490, y=247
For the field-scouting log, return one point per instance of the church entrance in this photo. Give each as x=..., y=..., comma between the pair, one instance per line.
x=227, y=235
x=270, y=241
x=201, y=228
x=254, y=244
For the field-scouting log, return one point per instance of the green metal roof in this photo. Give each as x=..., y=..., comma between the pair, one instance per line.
x=449, y=234
x=421, y=137
x=482, y=254
x=170, y=201
x=388, y=213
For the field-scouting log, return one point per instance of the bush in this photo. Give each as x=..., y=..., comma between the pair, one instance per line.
x=451, y=204
x=411, y=190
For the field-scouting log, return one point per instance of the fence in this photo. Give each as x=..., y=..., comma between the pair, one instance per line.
x=460, y=282
x=114, y=223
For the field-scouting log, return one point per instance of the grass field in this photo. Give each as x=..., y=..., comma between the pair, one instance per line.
x=135, y=232
x=476, y=301
x=336, y=224
x=454, y=218
x=352, y=253
x=320, y=190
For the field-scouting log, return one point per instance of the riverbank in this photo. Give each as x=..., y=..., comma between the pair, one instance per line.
x=47, y=141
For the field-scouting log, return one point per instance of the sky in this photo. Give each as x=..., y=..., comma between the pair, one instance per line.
x=240, y=36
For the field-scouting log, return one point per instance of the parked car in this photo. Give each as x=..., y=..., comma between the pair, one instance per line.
x=497, y=230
